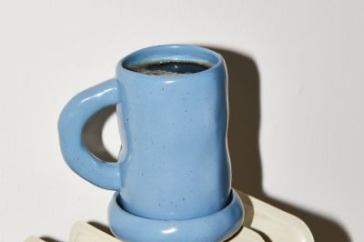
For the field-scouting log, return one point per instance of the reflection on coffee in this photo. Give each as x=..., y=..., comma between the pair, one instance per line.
x=169, y=68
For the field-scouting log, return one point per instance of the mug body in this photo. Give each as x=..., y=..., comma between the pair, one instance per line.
x=174, y=161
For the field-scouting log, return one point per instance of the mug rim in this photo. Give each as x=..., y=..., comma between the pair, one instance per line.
x=151, y=53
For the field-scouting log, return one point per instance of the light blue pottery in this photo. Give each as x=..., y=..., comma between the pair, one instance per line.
x=173, y=176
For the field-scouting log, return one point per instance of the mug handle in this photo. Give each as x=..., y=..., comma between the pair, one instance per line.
x=70, y=126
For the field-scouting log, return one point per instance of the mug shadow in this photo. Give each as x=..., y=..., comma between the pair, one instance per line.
x=243, y=139
x=49, y=239
x=104, y=228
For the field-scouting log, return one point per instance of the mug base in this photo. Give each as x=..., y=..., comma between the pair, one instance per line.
x=215, y=227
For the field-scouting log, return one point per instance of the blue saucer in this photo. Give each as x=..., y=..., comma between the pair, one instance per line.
x=212, y=228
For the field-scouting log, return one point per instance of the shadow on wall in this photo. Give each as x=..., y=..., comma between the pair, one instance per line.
x=244, y=97
x=244, y=125
x=49, y=239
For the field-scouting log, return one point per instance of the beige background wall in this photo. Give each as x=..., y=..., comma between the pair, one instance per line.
x=297, y=81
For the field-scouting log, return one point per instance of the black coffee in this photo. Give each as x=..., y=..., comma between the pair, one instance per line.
x=169, y=68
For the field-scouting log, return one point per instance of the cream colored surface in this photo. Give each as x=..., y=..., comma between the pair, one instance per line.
x=274, y=223
x=247, y=235
x=83, y=232
x=262, y=221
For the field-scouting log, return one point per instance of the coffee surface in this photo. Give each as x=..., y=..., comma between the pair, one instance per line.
x=169, y=68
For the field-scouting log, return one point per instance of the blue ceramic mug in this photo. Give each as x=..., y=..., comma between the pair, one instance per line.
x=174, y=162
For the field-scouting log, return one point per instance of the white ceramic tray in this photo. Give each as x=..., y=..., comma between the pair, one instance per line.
x=273, y=224
x=83, y=232
x=263, y=223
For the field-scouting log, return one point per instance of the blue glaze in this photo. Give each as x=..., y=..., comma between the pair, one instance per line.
x=174, y=164
x=216, y=227
x=70, y=125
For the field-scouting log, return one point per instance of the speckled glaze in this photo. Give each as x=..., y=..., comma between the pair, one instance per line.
x=216, y=227
x=174, y=164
